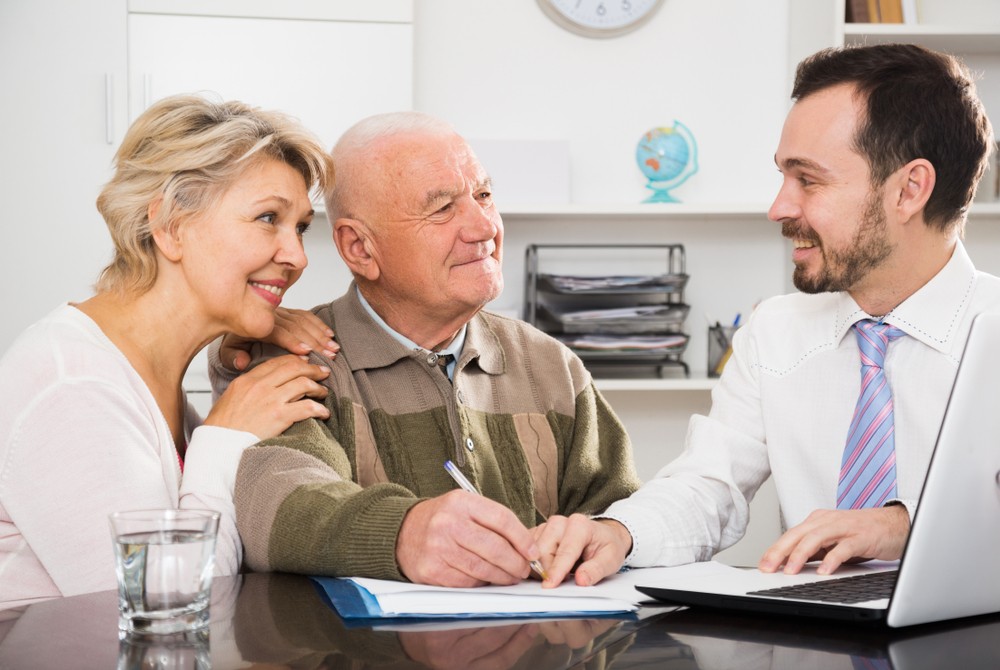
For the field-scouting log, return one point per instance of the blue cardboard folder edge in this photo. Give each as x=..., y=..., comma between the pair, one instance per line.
x=349, y=599
x=352, y=601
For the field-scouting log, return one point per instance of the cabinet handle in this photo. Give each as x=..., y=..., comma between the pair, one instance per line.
x=109, y=107
x=147, y=90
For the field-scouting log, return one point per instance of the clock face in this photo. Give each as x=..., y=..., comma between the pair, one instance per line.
x=600, y=18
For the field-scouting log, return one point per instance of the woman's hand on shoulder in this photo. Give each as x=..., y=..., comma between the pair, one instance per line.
x=268, y=399
x=298, y=331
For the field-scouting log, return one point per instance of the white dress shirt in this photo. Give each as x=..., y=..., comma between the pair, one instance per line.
x=783, y=407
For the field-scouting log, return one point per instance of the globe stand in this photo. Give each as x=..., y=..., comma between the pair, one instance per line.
x=660, y=193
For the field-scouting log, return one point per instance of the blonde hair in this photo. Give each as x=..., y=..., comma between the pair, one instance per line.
x=185, y=151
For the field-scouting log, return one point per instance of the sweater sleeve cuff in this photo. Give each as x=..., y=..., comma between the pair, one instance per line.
x=371, y=550
x=212, y=458
x=219, y=376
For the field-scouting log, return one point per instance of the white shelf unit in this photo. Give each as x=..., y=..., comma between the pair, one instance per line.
x=697, y=226
x=693, y=383
x=969, y=29
x=642, y=211
x=667, y=213
x=721, y=242
x=966, y=39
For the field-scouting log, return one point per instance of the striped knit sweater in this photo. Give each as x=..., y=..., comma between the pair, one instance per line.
x=522, y=420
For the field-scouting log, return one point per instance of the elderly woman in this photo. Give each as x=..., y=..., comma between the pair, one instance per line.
x=206, y=208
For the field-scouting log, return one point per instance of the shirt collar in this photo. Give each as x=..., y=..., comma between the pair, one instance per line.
x=932, y=314
x=368, y=348
x=455, y=348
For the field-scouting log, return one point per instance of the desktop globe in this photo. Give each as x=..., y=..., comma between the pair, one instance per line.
x=667, y=156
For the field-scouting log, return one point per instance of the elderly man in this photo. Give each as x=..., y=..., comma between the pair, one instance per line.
x=424, y=377
x=838, y=391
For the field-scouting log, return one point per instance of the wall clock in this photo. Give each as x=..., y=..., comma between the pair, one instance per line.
x=600, y=18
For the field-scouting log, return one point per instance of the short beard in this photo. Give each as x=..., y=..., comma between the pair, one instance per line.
x=842, y=270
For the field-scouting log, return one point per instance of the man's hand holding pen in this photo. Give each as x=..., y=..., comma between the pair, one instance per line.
x=466, y=485
x=463, y=539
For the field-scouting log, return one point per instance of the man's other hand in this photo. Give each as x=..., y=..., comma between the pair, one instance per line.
x=838, y=537
x=564, y=541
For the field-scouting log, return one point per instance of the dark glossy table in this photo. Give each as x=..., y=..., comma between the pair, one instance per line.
x=281, y=621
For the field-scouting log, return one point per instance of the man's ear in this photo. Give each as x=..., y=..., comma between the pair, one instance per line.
x=915, y=182
x=354, y=242
x=165, y=237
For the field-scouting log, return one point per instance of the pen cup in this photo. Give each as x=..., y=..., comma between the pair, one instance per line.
x=720, y=347
x=164, y=561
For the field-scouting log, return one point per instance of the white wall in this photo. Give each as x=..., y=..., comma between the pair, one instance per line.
x=497, y=70
x=503, y=70
x=56, y=150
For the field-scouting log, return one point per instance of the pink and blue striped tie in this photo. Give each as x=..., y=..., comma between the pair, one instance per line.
x=868, y=470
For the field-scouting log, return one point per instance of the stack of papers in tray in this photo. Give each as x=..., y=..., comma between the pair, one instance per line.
x=616, y=283
x=363, y=598
x=625, y=343
x=639, y=311
x=622, y=320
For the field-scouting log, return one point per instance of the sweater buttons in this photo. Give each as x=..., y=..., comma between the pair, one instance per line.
x=469, y=444
x=432, y=358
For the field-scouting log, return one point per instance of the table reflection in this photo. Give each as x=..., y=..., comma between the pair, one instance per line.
x=188, y=650
x=282, y=621
x=706, y=640
x=270, y=622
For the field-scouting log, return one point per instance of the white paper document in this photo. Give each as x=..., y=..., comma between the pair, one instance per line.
x=615, y=594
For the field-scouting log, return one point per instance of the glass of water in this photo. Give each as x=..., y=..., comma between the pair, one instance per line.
x=164, y=560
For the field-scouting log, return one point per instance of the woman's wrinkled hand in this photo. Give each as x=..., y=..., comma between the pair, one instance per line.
x=297, y=331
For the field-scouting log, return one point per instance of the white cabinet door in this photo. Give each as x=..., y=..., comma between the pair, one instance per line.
x=329, y=74
x=59, y=128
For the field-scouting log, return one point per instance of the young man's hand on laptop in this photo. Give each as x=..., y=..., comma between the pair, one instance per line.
x=838, y=537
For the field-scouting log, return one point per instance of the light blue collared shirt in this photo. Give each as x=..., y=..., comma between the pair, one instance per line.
x=455, y=348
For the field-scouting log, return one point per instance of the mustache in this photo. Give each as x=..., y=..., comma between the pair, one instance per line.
x=794, y=229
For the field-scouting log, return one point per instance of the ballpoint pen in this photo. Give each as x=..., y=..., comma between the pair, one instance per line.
x=466, y=485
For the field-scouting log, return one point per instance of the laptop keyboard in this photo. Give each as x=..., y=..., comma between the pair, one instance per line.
x=854, y=589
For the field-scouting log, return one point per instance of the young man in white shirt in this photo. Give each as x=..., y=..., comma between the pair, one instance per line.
x=880, y=157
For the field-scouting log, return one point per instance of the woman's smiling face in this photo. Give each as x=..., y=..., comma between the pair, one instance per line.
x=241, y=254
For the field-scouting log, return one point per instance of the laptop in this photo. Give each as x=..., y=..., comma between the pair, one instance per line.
x=949, y=567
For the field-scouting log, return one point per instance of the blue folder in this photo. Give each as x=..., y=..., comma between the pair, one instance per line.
x=354, y=602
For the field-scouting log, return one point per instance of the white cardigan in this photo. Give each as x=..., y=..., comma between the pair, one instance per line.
x=80, y=437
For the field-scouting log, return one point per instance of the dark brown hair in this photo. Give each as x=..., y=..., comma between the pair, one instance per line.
x=919, y=104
